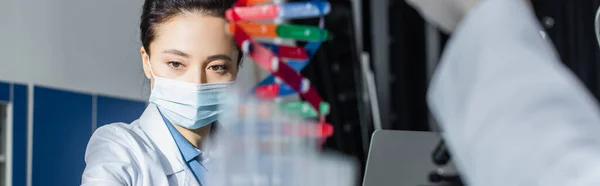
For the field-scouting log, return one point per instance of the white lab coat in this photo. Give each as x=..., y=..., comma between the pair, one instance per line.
x=512, y=114
x=140, y=153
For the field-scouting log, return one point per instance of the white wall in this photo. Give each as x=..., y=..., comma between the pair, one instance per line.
x=82, y=45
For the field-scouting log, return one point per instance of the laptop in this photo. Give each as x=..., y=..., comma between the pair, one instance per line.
x=400, y=158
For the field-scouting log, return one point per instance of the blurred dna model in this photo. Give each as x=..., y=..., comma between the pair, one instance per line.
x=261, y=140
x=257, y=144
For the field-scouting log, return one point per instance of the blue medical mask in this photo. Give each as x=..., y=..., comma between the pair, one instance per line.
x=189, y=105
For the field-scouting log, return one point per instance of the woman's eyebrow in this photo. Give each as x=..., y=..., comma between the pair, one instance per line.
x=177, y=52
x=218, y=57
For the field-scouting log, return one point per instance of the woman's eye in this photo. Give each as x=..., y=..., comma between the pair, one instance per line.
x=217, y=68
x=175, y=65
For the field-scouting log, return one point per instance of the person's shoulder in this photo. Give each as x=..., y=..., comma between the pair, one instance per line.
x=128, y=135
x=118, y=130
x=113, y=155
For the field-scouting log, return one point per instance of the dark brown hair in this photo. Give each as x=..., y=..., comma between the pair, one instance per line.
x=155, y=12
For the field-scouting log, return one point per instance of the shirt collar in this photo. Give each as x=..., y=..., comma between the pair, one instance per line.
x=188, y=151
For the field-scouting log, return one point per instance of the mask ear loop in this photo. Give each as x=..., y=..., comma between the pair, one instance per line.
x=151, y=71
x=150, y=66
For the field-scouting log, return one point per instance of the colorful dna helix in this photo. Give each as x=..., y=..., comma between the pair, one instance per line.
x=258, y=29
x=264, y=141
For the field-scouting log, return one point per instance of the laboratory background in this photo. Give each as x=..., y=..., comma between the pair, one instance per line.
x=68, y=67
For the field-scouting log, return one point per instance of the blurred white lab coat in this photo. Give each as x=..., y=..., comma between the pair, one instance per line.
x=511, y=112
x=141, y=153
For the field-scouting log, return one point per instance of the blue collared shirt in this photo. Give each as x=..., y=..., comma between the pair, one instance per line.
x=191, y=155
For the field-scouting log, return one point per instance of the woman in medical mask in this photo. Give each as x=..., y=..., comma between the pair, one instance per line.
x=191, y=62
x=511, y=112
